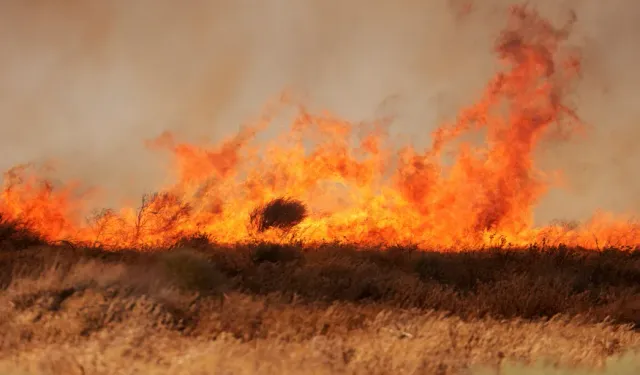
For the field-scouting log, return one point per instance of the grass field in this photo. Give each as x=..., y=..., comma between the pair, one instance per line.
x=160, y=297
x=280, y=309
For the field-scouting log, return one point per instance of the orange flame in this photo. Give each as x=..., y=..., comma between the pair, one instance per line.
x=367, y=194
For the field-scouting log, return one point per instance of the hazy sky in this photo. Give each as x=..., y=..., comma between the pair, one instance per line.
x=87, y=81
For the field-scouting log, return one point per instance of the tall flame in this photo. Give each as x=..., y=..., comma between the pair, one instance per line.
x=367, y=193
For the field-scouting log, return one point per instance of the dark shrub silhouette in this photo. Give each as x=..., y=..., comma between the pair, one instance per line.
x=282, y=213
x=15, y=235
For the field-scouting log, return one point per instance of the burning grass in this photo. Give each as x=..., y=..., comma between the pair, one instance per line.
x=393, y=195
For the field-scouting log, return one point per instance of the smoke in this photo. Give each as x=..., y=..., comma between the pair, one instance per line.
x=602, y=168
x=85, y=82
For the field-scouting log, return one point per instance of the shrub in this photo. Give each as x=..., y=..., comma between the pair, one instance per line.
x=282, y=213
x=17, y=235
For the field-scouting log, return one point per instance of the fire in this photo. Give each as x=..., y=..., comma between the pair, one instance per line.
x=366, y=193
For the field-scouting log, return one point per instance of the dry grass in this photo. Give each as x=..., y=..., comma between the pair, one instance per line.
x=333, y=309
x=628, y=364
x=528, y=284
x=295, y=339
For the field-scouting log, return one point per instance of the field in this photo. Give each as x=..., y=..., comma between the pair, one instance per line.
x=269, y=308
x=330, y=248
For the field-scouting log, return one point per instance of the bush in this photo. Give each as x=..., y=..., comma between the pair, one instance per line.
x=15, y=235
x=282, y=213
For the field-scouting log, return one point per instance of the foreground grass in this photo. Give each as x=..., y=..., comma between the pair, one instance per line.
x=334, y=309
x=628, y=364
x=384, y=343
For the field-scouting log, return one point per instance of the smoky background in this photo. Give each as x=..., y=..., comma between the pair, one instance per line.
x=85, y=83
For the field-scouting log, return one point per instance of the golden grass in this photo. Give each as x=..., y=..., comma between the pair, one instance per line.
x=360, y=340
x=228, y=311
x=628, y=364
